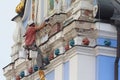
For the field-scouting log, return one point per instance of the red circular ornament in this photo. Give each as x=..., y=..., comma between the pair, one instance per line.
x=67, y=47
x=30, y=70
x=51, y=56
x=18, y=77
x=85, y=41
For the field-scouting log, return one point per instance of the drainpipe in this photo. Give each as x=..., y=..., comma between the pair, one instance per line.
x=116, y=64
x=116, y=18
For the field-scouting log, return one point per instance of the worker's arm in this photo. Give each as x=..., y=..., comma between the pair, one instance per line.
x=24, y=35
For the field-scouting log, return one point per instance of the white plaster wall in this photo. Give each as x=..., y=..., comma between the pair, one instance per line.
x=105, y=27
x=45, y=8
x=106, y=30
x=86, y=65
x=59, y=72
x=74, y=68
x=38, y=12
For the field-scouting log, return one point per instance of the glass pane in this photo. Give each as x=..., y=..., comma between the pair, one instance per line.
x=51, y=3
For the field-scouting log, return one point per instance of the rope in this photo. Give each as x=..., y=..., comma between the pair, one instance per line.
x=32, y=64
x=26, y=62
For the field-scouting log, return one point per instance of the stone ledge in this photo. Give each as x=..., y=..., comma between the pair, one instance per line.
x=77, y=50
x=107, y=51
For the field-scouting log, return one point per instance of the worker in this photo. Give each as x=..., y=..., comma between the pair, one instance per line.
x=30, y=42
x=30, y=35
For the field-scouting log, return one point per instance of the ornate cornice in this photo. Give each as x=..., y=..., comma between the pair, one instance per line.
x=106, y=51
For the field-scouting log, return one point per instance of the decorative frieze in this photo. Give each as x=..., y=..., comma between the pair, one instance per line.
x=56, y=28
x=72, y=43
x=85, y=41
x=57, y=17
x=58, y=51
x=51, y=56
x=18, y=77
x=57, y=36
x=30, y=70
x=83, y=10
x=45, y=48
x=80, y=28
x=66, y=46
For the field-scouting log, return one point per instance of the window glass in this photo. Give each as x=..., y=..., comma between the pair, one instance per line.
x=51, y=3
x=50, y=75
x=66, y=71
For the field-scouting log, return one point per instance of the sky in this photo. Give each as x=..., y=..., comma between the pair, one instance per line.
x=7, y=12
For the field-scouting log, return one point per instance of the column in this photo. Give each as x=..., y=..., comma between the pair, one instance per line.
x=59, y=72
x=74, y=68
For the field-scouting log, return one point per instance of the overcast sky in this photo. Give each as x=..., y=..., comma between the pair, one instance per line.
x=7, y=12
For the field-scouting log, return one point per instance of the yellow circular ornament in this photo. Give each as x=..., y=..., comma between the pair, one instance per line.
x=42, y=75
x=19, y=7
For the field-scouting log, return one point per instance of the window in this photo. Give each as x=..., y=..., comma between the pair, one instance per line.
x=51, y=4
x=66, y=71
x=50, y=75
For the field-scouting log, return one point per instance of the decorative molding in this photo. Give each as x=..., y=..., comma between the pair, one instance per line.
x=106, y=34
x=80, y=28
x=82, y=5
x=7, y=68
x=78, y=41
x=107, y=51
x=20, y=63
x=76, y=50
x=89, y=51
x=55, y=28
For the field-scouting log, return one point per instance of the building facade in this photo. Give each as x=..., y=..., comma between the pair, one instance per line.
x=80, y=43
